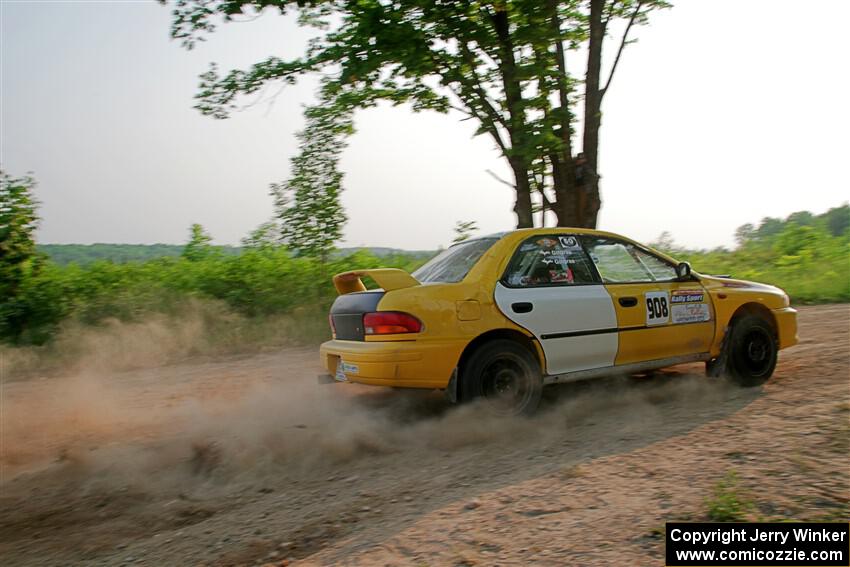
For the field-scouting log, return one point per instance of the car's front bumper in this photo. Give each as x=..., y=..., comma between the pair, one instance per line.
x=786, y=326
x=405, y=364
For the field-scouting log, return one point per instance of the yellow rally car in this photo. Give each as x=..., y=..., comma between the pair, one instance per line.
x=501, y=316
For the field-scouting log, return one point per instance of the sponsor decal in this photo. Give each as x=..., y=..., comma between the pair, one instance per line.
x=546, y=243
x=657, y=308
x=690, y=313
x=568, y=241
x=555, y=276
x=560, y=256
x=687, y=296
x=344, y=368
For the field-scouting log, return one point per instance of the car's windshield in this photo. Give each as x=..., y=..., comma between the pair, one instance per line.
x=452, y=265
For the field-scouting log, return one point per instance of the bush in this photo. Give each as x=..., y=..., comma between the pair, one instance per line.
x=806, y=255
x=726, y=504
x=810, y=264
x=256, y=284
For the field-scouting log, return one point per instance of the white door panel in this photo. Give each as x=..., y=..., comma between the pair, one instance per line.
x=585, y=352
x=576, y=325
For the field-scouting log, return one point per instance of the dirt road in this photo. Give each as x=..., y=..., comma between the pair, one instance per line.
x=247, y=461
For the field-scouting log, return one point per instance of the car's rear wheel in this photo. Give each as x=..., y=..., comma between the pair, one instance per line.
x=751, y=352
x=504, y=375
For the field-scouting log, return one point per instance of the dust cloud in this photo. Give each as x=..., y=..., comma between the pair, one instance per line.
x=124, y=444
x=179, y=425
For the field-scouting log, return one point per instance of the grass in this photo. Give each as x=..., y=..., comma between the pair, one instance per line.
x=726, y=504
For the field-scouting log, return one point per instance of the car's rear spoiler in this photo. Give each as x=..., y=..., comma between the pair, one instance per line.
x=387, y=278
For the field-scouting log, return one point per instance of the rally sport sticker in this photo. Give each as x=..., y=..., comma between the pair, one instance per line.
x=687, y=296
x=690, y=313
x=688, y=306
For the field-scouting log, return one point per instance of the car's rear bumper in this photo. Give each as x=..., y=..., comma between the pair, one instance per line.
x=405, y=364
x=786, y=326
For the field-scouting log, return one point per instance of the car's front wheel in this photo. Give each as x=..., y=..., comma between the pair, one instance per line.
x=751, y=351
x=505, y=375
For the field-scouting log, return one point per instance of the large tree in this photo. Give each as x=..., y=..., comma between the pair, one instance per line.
x=307, y=205
x=19, y=260
x=18, y=221
x=198, y=247
x=502, y=63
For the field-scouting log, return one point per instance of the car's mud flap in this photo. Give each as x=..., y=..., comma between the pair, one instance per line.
x=325, y=379
x=451, y=390
x=716, y=367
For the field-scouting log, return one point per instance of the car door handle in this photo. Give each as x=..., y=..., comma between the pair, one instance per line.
x=628, y=301
x=522, y=307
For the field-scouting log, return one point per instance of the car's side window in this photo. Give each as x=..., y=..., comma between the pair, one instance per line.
x=548, y=261
x=619, y=262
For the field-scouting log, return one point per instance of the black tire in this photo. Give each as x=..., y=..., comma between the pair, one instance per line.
x=750, y=352
x=505, y=375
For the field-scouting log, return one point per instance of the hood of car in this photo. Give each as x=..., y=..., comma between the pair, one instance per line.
x=771, y=295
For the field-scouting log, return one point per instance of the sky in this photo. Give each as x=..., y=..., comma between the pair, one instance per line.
x=723, y=112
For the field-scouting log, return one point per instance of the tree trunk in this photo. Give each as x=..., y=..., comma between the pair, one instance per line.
x=563, y=166
x=522, y=207
x=516, y=119
x=589, y=201
x=563, y=182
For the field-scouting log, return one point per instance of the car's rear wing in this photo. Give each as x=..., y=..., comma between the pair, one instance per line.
x=388, y=278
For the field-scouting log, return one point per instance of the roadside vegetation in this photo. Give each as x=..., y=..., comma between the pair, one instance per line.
x=267, y=278
x=807, y=255
x=726, y=503
x=258, y=283
x=283, y=268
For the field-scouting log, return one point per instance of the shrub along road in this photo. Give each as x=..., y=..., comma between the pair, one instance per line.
x=247, y=461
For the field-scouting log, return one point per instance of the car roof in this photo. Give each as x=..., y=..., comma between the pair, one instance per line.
x=545, y=230
x=530, y=232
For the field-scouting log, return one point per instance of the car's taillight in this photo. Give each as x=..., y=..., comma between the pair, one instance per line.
x=390, y=323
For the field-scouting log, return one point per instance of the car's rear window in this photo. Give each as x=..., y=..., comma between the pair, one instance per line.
x=452, y=265
x=550, y=260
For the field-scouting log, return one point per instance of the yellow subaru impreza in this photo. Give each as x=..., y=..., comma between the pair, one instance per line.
x=501, y=316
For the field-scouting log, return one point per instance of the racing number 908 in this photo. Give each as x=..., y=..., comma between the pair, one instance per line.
x=656, y=307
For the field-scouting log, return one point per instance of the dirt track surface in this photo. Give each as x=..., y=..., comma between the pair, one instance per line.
x=247, y=461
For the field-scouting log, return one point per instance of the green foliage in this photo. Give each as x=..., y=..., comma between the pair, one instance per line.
x=726, y=504
x=810, y=261
x=267, y=235
x=198, y=246
x=18, y=221
x=19, y=261
x=264, y=280
x=84, y=254
x=837, y=220
x=502, y=64
x=464, y=230
x=258, y=283
x=307, y=205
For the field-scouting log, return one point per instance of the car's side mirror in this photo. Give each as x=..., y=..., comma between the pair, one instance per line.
x=683, y=271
